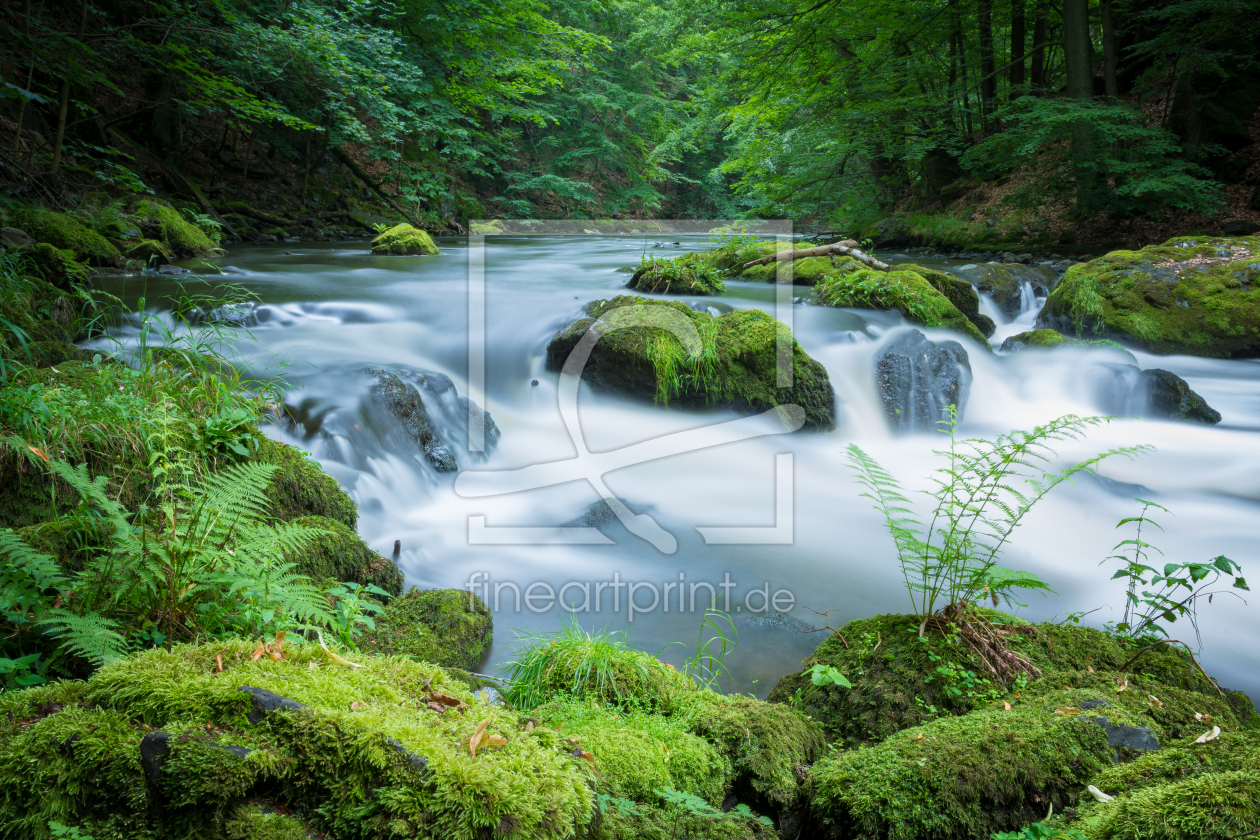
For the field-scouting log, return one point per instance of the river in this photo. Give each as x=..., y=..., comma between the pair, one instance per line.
x=329, y=310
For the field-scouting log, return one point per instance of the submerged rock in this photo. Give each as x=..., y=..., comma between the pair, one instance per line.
x=404, y=402
x=918, y=380
x=1169, y=396
x=731, y=363
x=404, y=239
x=1049, y=339
x=1193, y=295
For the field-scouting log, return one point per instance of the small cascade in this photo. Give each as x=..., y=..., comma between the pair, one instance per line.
x=1027, y=297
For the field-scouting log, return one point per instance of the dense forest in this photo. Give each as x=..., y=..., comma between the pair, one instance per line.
x=836, y=114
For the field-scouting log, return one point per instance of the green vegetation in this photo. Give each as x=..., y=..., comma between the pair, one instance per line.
x=1190, y=295
x=690, y=274
x=900, y=290
x=665, y=351
x=449, y=627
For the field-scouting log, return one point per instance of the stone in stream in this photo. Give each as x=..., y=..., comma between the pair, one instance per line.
x=1004, y=282
x=731, y=363
x=918, y=380
x=404, y=239
x=1192, y=295
x=1169, y=397
x=922, y=296
x=403, y=401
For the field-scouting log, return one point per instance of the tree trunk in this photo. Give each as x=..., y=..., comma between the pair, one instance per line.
x=1109, y=50
x=847, y=248
x=26, y=28
x=988, y=80
x=1077, y=49
x=1018, y=44
x=1041, y=27
x=956, y=27
x=362, y=175
x=64, y=105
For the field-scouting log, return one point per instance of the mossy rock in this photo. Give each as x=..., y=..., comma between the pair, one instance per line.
x=1192, y=295
x=57, y=266
x=301, y=488
x=959, y=292
x=404, y=239
x=150, y=252
x=1048, y=339
x=358, y=751
x=730, y=361
x=450, y=627
x=68, y=233
x=48, y=353
x=1003, y=282
x=731, y=259
x=958, y=777
x=180, y=237
x=807, y=272
x=897, y=683
x=255, y=822
x=339, y=555
x=901, y=290
x=690, y=274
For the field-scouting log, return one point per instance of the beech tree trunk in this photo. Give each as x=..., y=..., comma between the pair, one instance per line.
x=988, y=79
x=1109, y=50
x=1041, y=27
x=64, y=104
x=1018, y=43
x=1077, y=49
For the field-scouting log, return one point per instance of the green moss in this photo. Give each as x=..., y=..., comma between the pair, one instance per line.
x=1157, y=299
x=769, y=746
x=1047, y=339
x=1233, y=750
x=959, y=292
x=807, y=272
x=149, y=251
x=253, y=822
x=341, y=556
x=350, y=761
x=301, y=488
x=177, y=234
x=731, y=258
x=901, y=290
x=958, y=777
x=1211, y=805
x=449, y=627
x=731, y=360
x=403, y=239
x=69, y=233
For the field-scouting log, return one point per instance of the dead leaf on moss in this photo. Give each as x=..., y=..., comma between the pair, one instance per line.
x=1067, y=710
x=1155, y=701
x=218, y=663
x=39, y=453
x=1209, y=736
x=479, y=734
x=1122, y=684
x=357, y=704
x=583, y=754
x=445, y=701
x=1006, y=706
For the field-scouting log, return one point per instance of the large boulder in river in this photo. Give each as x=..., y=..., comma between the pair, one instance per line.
x=1005, y=282
x=905, y=289
x=726, y=361
x=405, y=240
x=1168, y=396
x=1193, y=295
x=918, y=380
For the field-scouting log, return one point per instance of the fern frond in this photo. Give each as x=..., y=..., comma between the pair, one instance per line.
x=92, y=637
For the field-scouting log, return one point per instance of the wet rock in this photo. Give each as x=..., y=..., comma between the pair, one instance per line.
x=1169, y=396
x=1005, y=282
x=922, y=296
x=233, y=315
x=265, y=702
x=1123, y=736
x=404, y=239
x=173, y=271
x=1193, y=295
x=918, y=380
x=15, y=238
x=737, y=352
x=1049, y=339
x=960, y=293
x=404, y=402
x=265, y=239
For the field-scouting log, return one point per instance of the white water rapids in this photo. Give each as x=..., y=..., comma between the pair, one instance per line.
x=333, y=309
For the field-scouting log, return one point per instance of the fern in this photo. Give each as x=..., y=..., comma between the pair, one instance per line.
x=91, y=636
x=982, y=494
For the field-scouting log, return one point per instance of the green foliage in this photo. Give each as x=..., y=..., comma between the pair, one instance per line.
x=600, y=665
x=353, y=609
x=20, y=673
x=708, y=663
x=450, y=627
x=67, y=832
x=905, y=289
x=950, y=557
x=1039, y=831
x=688, y=807
x=1180, y=585
x=690, y=274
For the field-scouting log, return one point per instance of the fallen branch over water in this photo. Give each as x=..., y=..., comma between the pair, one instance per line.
x=847, y=248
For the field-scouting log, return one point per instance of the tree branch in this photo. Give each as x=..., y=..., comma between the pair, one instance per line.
x=847, y=248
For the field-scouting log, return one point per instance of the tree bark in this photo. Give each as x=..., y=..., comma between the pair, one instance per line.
x=847, y=250
x=988, y=80
x=1077, y=49
x=1018, y=42
x=955, y=25
x=1041, y=26
x=64, y=105
x=1109, y=50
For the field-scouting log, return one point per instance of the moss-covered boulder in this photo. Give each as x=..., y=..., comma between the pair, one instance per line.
x=1004, y=282
x=1048, y=339
x=339, y=555
x=1193, y=295
x=165, y=744
x=57, y=265
x=180, y=236
x=404, y=239
x=690, y=274
x=960, y=293
x=728, y=361
x=901, y=290
x=451, y=627
x=67, y=232
x=301, y=488
x=150, y=252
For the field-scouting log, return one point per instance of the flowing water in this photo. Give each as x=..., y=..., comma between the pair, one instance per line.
x=332, y=310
